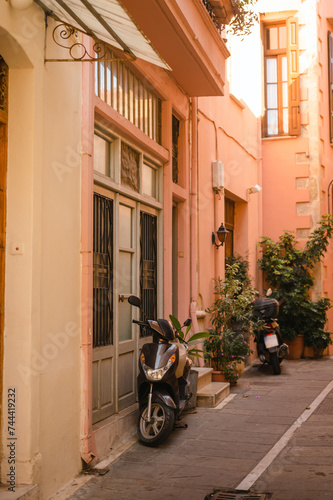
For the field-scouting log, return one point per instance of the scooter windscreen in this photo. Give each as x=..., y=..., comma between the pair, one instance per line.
x=167, y=329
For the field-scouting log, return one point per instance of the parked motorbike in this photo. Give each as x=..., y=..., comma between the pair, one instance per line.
x=163, y=381
x=270, y=347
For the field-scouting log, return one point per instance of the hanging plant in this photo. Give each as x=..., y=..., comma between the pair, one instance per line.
x=244, y=19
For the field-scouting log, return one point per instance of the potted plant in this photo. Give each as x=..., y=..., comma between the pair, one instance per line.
x=227, y=353
x=231, y=317
x=316, y=337
x=191, y=341
x=289, y=270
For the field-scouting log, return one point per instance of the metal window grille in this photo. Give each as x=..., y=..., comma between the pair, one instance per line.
x=175, y=149
x=212, y=14
x=148, y=266
x=103, y=272
x=3, y=86
x=230, y=225
x=121, y=89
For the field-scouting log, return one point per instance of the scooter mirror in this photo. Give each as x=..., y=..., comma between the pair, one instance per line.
x=188, y=322
x=134, y=301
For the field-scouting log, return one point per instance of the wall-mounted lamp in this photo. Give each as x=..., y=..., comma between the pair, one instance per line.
x=254, y=189
x=221, y=234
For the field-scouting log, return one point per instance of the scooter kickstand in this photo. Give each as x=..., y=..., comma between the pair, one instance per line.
x=180, y=426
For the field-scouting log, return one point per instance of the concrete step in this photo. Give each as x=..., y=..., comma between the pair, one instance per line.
x=21, y=492
x=212, y=394
x=204, y=377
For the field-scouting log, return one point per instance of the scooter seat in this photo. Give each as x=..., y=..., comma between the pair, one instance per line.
x=182, y=360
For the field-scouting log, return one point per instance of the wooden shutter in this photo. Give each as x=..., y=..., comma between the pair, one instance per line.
x=330, y=82
x=293, y=76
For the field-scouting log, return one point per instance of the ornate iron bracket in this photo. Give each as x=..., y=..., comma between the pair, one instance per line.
x=66, y=36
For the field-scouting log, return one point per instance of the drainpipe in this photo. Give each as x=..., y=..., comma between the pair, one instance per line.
x=87, y=447
x=193, y=217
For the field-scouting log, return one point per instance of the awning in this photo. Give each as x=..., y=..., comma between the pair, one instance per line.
x=105, y=20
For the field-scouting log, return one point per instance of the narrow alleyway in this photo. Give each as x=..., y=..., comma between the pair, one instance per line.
x=222, y=446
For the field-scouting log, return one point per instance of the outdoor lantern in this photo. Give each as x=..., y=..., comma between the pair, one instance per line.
x=221, y=233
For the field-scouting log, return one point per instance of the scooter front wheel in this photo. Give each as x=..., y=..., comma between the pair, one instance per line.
x=155, y=431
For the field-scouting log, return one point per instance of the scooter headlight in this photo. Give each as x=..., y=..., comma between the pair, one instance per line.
x=156, y=374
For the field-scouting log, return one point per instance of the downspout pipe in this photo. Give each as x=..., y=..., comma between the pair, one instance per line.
x=87, y=446
x=193, y=218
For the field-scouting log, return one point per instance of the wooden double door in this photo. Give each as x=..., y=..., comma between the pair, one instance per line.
x=125, y=263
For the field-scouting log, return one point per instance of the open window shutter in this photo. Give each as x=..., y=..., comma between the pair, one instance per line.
x=330, y=83
x=293, y=77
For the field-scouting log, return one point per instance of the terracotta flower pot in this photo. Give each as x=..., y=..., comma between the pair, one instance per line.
x=314, y=352
x=296, y=347
x=217, y=376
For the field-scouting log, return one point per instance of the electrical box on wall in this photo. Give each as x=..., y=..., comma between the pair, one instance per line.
x=218, y=175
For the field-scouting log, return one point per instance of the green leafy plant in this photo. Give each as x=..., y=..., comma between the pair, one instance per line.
x=231, y=319
x=289, y=270
x=191, y=340
x=244, y=19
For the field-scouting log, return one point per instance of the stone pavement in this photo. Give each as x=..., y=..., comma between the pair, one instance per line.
x=223, y=445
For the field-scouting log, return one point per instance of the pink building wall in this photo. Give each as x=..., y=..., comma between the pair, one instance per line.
x=236, y=142
x=216, y=128
x=297, y=170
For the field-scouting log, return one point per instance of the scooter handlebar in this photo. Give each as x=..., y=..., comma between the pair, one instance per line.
x=141, y=323
x=179, y=338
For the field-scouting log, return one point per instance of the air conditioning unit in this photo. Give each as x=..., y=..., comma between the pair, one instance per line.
x=218, y=175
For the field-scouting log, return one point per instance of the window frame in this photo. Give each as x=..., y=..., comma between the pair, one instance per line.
x=291, y=52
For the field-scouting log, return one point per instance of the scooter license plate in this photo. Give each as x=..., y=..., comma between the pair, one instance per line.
x=271, y=340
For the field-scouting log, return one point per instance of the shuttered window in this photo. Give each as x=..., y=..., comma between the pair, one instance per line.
x=282, y=91
x=330, y=83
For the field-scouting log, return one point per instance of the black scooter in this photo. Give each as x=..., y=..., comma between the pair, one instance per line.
x=163, y=380
x=270, y=347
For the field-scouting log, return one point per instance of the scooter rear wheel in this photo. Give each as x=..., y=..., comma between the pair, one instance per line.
x=158, y=429
x=275, y=362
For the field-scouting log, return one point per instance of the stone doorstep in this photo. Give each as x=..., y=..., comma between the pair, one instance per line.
x=204, y=376
x=28, y=492
x=212, y=394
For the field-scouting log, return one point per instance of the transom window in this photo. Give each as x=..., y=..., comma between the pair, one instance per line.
x=124, y=91
x=124, y=165
x=282, y=100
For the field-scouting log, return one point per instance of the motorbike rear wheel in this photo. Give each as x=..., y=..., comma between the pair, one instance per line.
x=158, y=429
x=275, y=362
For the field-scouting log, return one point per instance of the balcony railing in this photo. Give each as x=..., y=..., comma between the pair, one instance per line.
x=221, y=11
x=212, y=14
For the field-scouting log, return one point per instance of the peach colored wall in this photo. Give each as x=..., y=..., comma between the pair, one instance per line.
x=297, y=171
x=325, y=24
x=284, y=160
x=42, y=293
x=235, y=142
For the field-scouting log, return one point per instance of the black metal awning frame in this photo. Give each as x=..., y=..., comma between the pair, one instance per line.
x=65, y=36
